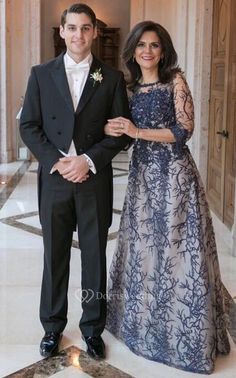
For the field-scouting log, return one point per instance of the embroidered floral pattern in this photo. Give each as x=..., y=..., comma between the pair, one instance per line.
x=165, y=296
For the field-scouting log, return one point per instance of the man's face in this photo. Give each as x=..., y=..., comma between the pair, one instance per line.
x=78, y=33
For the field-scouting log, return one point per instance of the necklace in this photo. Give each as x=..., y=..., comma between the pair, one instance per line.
x=148, y=84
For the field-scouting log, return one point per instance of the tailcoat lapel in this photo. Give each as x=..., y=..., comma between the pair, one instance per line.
x=59, y=76
x=90, y=86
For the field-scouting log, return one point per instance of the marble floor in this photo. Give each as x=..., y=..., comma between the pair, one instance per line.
x=20, y=277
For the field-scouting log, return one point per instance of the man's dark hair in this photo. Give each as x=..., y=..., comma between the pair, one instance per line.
x=79, y=8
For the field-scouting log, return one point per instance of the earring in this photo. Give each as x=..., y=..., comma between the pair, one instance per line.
x=133, y=59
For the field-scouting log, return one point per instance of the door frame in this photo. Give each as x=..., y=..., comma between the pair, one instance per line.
x=198, y=49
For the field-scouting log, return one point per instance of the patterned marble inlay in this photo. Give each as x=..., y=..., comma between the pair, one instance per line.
x=14, y=221
x=11, y=184
x=125, y=172
x=71, y=356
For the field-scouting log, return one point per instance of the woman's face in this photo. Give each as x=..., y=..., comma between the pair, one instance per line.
x=148, y=51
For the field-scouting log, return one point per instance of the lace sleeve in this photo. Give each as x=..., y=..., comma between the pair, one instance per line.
x=184, y=110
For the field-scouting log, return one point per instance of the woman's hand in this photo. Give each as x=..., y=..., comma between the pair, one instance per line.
x=120, y=125
x=112, y=129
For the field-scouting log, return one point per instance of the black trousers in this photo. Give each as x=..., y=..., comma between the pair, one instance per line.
x=63, y=206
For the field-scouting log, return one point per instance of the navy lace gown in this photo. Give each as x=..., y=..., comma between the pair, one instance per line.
x=165, y=296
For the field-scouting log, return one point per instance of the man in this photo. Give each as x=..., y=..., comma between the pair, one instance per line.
x=67, y=103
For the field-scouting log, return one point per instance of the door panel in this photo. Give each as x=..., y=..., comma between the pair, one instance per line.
x=222, y=135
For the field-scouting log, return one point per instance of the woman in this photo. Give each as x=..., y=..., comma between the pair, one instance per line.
x=165, y=292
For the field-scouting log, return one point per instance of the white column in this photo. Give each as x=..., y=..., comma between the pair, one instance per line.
x=19, y=50
x=33, y=35
x=5, y=150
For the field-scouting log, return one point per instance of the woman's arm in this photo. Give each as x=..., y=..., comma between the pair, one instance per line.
x=120, y=125
x=179, y=132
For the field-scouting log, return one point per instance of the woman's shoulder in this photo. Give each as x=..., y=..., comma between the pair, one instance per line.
x=179, y=78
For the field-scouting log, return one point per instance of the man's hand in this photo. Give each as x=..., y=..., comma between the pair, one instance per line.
x=73, y=168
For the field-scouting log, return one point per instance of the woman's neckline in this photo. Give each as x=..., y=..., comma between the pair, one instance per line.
x=148, y=84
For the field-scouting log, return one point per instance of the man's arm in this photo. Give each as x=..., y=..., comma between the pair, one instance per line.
x=103, y=152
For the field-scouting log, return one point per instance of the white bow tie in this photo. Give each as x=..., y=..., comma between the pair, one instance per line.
x=78, y=67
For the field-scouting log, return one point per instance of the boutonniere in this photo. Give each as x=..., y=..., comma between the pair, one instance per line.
x=96, y=76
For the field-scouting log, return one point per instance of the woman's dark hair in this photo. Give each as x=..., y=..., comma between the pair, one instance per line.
x=79, y=8
x=167, y=66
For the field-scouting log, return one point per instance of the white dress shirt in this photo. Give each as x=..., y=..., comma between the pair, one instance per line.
x=77, y=74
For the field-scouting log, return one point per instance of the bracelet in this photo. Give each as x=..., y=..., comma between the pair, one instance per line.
x=137, y=133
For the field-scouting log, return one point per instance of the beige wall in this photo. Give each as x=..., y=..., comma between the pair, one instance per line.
x=115, y=13
x=171, y=14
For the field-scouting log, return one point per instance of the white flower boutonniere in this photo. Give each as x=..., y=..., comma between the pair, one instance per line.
x=97, y=76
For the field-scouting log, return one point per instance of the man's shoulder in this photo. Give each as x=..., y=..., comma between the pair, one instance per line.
x=49, y=64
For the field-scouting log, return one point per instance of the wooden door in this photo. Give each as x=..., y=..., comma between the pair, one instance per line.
x=222, y=130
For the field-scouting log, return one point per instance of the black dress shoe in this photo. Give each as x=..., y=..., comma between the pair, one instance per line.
x=50, y=343
x=95, y=347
